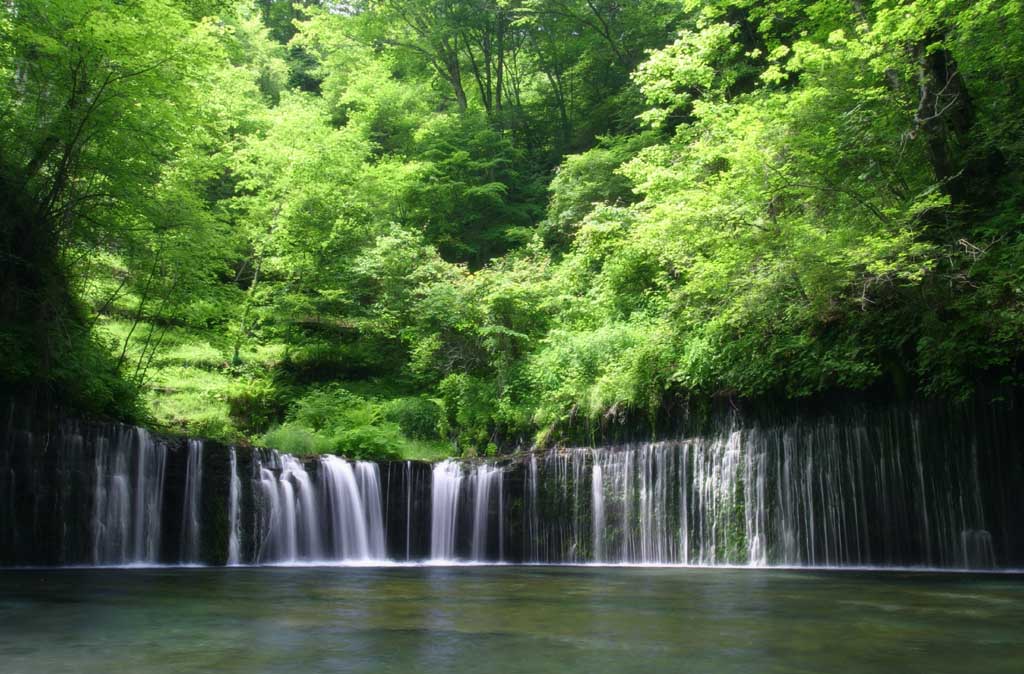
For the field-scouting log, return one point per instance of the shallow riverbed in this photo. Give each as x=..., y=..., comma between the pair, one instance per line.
x=508, y=619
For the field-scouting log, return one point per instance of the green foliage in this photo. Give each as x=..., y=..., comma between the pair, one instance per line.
x=296, y=439
x=110, y=156
x=585, y=180
x=334, y=420
x=413, y=226
x=470, y=405
x=417, y=418
x=474, y=198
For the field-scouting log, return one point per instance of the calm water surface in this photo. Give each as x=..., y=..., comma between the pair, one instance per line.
x=508, y=619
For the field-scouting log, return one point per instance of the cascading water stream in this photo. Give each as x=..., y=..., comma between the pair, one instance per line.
x=823, y=494
x=886, y=487
x=276, y=526
x=111, y=505
x=530, y=507
x=336, y=517
x=149, y=496
x=557, y=507
x=408, y=510
x=309, y=543
x=191, y=514
x=371, y=495
x=445, y=491
x=483, y=479
x=501, y=516
x=128, y=498
x=234, y=512
x=597, y=511
x=353, y=502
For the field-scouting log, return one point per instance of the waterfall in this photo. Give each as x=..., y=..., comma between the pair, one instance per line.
x=823, y=493
x=368, y=474
x=684, y=505
x=128, y=498
x=352, y=500
x=111, y=509
x=530, y=507
x=558, y=506
x=866, y=487
x=597, y=508
x=501, y=516
x=978, y=551
x=338, y=517
x=191, y=514
x=149, y=494
x=408, y=510
x=484, y=476
x=234, y=512
x=307, y=515
x=292, y=531
x=445, y=488
x=277, y=533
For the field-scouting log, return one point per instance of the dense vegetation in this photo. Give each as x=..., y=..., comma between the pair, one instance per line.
x=414, y=227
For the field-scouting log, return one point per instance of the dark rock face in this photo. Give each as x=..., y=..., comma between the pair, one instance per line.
x=46, y=490
x=933, y=485
x=407, y=509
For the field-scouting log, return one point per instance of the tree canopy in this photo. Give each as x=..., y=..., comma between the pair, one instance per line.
x=418, y=227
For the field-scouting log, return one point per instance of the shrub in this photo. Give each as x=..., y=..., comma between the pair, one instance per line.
x=417, y=418
x=295, y=439
x=379, y=443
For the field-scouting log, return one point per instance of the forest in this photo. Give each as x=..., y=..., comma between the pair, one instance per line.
x=429, y=228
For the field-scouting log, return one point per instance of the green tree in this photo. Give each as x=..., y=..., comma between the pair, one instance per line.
x=103, y=126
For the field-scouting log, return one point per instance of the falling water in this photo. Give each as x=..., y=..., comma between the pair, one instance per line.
x=483, y=478
x=278, y=530
x=408, y=510
x=292, y=530
x=445, y=489
x=309, y=540
x=352, y=500
x=149, y=495
x=817, y=494
x=348, y=530
x=111, y=509
x=887, y=487
x=234, y=512
x=531, y=508
x=597, y=515
x=368, y=479
x=128, y=498
x=190, y=519
x=978, y=550
x=501, y=517
x=558, y=507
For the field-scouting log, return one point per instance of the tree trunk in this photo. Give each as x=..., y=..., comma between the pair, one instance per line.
x=944, y=115
x=499, y=74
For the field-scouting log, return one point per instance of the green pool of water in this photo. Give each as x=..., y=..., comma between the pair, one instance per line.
x=508, y=619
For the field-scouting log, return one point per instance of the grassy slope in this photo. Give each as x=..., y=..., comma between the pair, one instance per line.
x=190, y=387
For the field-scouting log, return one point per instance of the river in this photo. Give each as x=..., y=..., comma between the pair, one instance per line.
x=484, y=619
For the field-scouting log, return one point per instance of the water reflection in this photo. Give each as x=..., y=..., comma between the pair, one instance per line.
x=507, y=619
